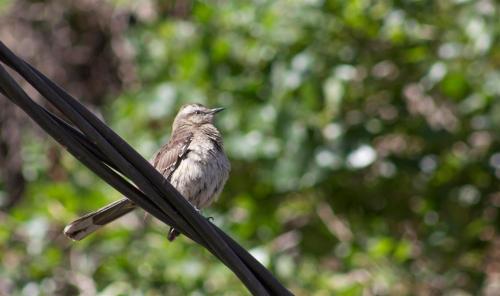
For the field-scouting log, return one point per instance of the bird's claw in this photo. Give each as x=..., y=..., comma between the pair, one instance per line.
x=210, y=219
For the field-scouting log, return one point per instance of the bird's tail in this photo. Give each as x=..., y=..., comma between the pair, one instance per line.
x=89, y=223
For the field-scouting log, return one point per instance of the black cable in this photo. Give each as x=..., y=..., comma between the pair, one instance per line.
x=108, y=155
x=138, y=171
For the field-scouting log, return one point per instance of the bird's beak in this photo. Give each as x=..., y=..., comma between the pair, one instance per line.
x=216, y=110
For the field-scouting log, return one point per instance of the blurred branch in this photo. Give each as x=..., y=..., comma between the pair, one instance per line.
x=492, y=269
x=337, y=226
x=10, y=155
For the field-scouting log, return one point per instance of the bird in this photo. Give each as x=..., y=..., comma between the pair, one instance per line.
x=193, y=161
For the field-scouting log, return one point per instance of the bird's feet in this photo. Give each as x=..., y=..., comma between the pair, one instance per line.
x=172, y=234
x=210, y=219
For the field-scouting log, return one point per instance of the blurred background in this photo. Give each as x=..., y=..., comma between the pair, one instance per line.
x=363, y=137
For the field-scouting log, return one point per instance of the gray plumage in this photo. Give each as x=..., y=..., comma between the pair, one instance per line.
x=193, y=161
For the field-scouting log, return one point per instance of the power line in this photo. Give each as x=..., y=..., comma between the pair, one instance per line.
x=104, y=152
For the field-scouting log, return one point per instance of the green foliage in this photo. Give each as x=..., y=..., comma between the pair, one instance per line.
x=363, y=137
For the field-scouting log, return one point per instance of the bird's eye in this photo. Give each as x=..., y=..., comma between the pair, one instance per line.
x=197, y=112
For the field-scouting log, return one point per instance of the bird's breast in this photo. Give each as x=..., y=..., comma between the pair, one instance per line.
x=203, y=172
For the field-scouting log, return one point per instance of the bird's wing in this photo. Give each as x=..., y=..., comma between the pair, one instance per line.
x=168, y=158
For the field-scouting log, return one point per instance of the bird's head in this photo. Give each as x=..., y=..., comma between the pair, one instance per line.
x=195, y=115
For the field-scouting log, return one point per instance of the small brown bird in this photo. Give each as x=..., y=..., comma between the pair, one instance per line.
x=193, y=161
